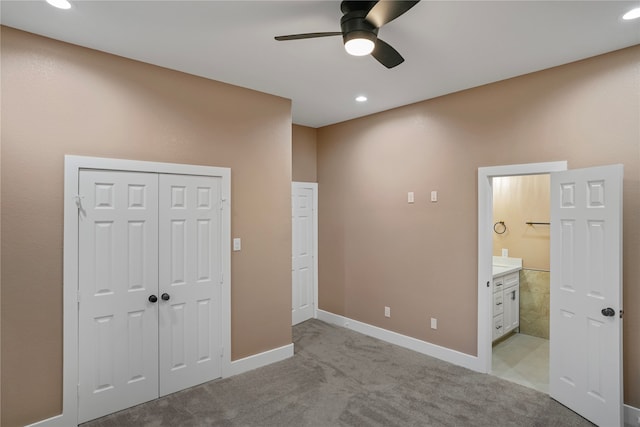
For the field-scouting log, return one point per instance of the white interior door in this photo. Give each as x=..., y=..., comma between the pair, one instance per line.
x=190, y=281
x=585, y=360
x=118, y=271
x=303, y=267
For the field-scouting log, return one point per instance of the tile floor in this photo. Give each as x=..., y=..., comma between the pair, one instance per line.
x=523, y=359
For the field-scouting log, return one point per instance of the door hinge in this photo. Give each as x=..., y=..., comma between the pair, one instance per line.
x=221, y=351
x=222, y=202
x=621, y=313
x=78, y=198
x=78, y=295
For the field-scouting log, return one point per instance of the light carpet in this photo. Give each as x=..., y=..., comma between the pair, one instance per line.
x=342, y=378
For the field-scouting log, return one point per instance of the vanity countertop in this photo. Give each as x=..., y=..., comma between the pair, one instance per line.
x=506, y=265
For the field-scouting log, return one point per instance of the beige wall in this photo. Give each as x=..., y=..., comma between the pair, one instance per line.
x=421, y=259
x=304, y=154
x=61, y=99
x=517, y=200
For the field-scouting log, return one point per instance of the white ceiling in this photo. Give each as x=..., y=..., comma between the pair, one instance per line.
x=448, y=46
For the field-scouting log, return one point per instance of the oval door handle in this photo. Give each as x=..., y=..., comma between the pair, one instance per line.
x=153, y=298
x=165, y=297
x=609, y=312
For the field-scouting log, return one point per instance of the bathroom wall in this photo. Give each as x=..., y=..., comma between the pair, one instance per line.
x=517, y=200
x=534, y=303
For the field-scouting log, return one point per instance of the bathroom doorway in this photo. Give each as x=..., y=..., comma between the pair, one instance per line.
x=586, y=214
x=521, y=279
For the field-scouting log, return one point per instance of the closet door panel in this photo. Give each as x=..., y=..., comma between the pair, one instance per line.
x=118, y=271
x=190, y=254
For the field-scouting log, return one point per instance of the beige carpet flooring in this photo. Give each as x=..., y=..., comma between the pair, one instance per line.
x=341, y=378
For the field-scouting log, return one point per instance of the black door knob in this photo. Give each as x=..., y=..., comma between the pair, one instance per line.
x=165, y=297
x=153, y=298
x=609, y=312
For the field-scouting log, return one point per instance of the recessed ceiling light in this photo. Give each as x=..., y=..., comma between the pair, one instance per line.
x=60, y=4
x=361, y=98
x=632, y=14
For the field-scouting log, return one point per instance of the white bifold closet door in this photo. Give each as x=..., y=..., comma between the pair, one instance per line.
x=149, y=287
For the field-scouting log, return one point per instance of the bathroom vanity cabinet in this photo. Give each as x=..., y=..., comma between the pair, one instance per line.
x=506, y=303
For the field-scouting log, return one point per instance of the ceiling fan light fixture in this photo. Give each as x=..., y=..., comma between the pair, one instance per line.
x=60, y=4
x=359, y=43
x=632, y=14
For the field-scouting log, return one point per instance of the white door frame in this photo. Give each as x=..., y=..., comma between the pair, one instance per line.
x=72, y=166
x=485, y=245
x=314, y=187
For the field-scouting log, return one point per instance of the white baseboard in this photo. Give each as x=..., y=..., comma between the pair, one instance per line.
x=631, y=416
x=259, y=360
x=56, y=421
x=442, y=353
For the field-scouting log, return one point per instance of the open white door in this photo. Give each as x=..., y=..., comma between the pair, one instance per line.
x=585, y=355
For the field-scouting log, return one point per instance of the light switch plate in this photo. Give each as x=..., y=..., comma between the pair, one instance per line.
x=410, y=198
x=434, y=323
x=434, y=196
x=237, y=244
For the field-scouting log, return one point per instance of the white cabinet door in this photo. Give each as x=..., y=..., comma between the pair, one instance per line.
x=585, y=358
x=118, y=271
x=303, y=246
x=511, y=303
x=190, y=281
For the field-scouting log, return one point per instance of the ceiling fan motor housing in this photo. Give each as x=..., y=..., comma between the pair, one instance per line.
x=354, y=25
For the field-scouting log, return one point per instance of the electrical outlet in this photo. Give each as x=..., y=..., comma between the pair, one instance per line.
x=387, y=312
x=434, y=323
x=505, y=252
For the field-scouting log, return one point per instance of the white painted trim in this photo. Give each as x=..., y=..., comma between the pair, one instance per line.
x=433, y=350
x=485, y=245
x=72, y=166
x=631, y=416
x=261, y=359
x=313, y=186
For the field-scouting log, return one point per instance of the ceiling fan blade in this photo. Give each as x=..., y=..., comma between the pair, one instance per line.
x=386, y=11
x=307, y=36
x=386, y=55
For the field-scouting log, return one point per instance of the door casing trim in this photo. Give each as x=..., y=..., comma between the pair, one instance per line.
x=485, y=244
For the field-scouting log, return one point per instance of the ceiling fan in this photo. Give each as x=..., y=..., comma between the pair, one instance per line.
x=360, y=23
